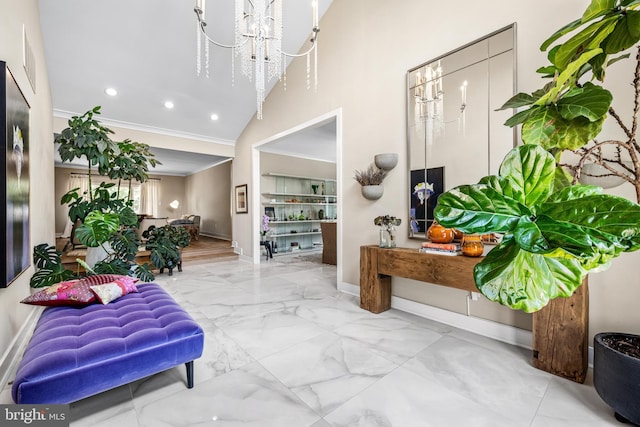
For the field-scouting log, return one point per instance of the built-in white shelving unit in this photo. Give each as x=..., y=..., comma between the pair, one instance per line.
x=297, y=205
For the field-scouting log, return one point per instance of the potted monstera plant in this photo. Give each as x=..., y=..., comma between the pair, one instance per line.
x=106, y=222
x=165, y=244
x=555, y=230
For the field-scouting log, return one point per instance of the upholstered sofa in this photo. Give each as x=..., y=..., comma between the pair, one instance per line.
x=190, y=222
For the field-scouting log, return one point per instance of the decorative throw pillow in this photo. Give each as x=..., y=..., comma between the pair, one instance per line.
x=72, y=292
x=99, y=279
x=108, y=292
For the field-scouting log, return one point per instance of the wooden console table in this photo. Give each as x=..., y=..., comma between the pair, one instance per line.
x=560, y=330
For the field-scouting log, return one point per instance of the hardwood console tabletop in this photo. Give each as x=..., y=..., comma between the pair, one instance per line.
x=560, y=330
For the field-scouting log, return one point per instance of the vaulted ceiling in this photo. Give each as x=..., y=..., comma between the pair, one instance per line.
x=146, y=50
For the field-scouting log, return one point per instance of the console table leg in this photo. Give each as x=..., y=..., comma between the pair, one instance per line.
x=560, y=336
x=375, y=289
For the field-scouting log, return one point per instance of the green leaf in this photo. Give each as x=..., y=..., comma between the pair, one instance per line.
x=550, y=130
x=567, y=77
x=128, y=217
x=548, y=71
x=591, y=248
x=116, y=266
x=561, y=32
x=529, y=237
x=591, y=102
x=526, y=281
x=543, y=127
x=521, y=117
x=125, y=244
x=561, y=179
x=97, y=228
x=598, y=8
x=612, y=219
x=586, y=40
x=578, y=132
x=46, y=256
x=478, y=209
x=529, y=169
x=625, y=33
x=518, y=100
x=633, y=23
x=50, y=276
x=143, y=272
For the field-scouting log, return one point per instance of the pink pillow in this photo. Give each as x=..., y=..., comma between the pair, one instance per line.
x=72, y=292
x=108, y=292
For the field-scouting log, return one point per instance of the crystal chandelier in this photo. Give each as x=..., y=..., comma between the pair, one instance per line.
x=429, y=102
x=258, y=43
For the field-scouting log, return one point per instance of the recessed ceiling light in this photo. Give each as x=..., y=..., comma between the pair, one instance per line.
x=111, y=91
x=168, y=104
x=214, y=117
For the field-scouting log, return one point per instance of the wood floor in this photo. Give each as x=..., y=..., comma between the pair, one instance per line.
x=209, y=249
x=204, y=249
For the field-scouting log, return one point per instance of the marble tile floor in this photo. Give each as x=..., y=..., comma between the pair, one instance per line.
x=284, y=348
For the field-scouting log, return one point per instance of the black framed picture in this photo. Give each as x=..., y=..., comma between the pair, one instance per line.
x=242, y=200
x=426, y=186
x=14, y=124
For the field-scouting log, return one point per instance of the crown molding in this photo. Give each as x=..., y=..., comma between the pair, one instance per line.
x=150, y=129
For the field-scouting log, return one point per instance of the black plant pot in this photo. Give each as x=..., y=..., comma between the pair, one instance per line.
x=616, y=377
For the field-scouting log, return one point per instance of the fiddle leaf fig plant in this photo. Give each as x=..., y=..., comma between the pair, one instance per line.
x=555, y=233
x=552, y=237
x=565, y=114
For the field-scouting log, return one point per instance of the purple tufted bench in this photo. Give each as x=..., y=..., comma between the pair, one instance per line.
x=78, y=352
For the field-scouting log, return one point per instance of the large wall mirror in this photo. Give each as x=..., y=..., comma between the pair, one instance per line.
x=455, y=135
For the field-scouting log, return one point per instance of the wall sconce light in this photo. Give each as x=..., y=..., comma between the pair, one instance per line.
x=175, y=204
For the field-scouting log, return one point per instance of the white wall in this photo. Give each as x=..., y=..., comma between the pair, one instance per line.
x=13, y=14
x=209, y=195
x=366, y=47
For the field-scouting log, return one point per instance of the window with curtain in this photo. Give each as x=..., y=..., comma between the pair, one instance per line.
x=75, y=181
x=149, y=198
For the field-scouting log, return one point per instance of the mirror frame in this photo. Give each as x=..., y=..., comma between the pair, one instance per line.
x=435, y=174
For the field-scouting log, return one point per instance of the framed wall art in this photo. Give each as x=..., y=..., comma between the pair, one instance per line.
x=14, y=128
x=426, y=186
x=242, y=204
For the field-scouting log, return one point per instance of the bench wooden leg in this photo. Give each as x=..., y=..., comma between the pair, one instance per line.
x=189, y=366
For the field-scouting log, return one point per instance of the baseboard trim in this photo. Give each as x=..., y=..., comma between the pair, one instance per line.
x=13, y=354
x=215, y=236
x=487, y=328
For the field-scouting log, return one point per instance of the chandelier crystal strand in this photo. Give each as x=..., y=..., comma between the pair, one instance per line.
x=206, y=45
x=233, y=66
x=315, y=67
x=275, y=41
x=308, y=70
x=206, y=59
x=284, y=73
x=199, y=37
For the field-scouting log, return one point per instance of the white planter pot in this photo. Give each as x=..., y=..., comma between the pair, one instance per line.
x=372, y=192
x=386, y=161
x=94, y=255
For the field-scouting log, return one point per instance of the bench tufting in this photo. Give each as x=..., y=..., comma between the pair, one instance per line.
x=78, y=352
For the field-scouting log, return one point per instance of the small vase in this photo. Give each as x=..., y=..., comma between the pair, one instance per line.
x=472, y=245
x=439, y=234
x=387, y=237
